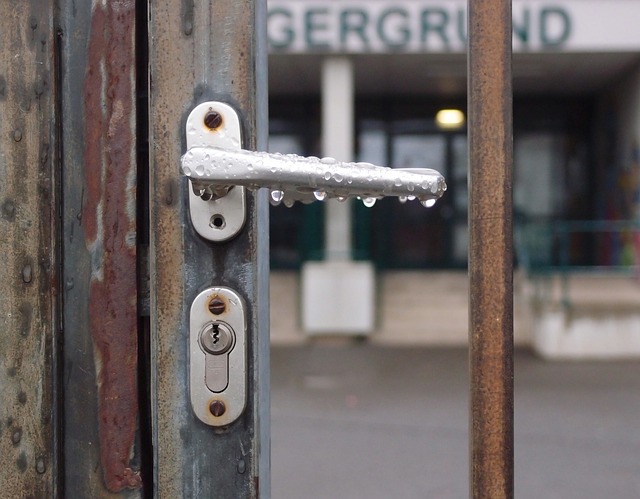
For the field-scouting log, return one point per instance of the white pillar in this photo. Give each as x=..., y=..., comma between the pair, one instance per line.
x=338, y=109
x=338, y=294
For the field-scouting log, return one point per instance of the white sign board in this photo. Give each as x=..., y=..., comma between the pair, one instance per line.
x=418, y=26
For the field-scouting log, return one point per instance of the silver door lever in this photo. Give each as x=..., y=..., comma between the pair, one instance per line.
x=215, y=164
x=290, y=177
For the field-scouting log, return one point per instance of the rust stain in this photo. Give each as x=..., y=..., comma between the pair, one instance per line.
x=110, y=231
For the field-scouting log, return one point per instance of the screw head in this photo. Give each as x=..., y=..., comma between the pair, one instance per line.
x=213, y=119
x=217, y=306
x=217, y=408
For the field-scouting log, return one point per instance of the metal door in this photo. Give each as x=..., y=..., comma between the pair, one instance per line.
x=102, y=263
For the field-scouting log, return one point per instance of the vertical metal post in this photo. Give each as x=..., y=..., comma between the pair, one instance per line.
x=98, y=132
x=28, y=248
x=490, y=251
x=203, y=50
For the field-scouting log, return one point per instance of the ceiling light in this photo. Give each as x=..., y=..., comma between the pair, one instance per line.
x=450, y=119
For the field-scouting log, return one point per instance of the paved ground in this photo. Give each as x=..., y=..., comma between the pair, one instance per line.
x=358, y=421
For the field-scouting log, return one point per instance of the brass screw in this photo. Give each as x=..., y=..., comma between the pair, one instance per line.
x=212, y=119
x=217, y=408
x=217, y=306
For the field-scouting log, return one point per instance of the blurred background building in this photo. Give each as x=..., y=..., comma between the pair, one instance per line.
x=369, y=81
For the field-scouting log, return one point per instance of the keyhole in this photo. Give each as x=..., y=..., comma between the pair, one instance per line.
x=216, y=334
x=216, y=339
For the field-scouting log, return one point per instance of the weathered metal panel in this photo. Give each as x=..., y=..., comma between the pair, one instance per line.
x=28, y=245
x=201, y=51
x=98, y=76
x=491, y=249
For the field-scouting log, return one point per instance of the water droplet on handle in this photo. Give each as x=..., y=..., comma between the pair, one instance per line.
x=402, y=199
x=277, y=195
x=200, y=170
x=275, y=200
x=320, y=195
x=428, y=203
x=369, y=202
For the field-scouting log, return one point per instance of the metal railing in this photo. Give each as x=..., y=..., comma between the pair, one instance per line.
x=586, y=246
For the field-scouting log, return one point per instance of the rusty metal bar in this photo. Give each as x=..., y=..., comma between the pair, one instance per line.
x=98, y=132
x=205, y=50
x=28, y=247
x=490, y=251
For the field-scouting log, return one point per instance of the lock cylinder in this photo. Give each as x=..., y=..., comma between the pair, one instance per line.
x=218, y=356
x=216, y=338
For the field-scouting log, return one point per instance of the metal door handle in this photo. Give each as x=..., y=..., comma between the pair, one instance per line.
x=217, y=166
x=213, y=171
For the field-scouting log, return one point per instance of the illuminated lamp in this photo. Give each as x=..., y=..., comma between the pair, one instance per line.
x=450, y=119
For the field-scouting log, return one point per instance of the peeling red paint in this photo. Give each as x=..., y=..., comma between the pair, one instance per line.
x=109, y=220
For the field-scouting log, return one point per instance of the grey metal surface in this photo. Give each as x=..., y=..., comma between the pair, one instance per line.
x=29, y=246
x=490, y=248
x=380, y=422
x=205, y=50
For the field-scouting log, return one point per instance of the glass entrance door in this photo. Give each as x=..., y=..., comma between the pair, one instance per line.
x=409, y=235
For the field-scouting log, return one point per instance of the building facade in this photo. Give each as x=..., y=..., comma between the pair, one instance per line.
x=365, y=80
